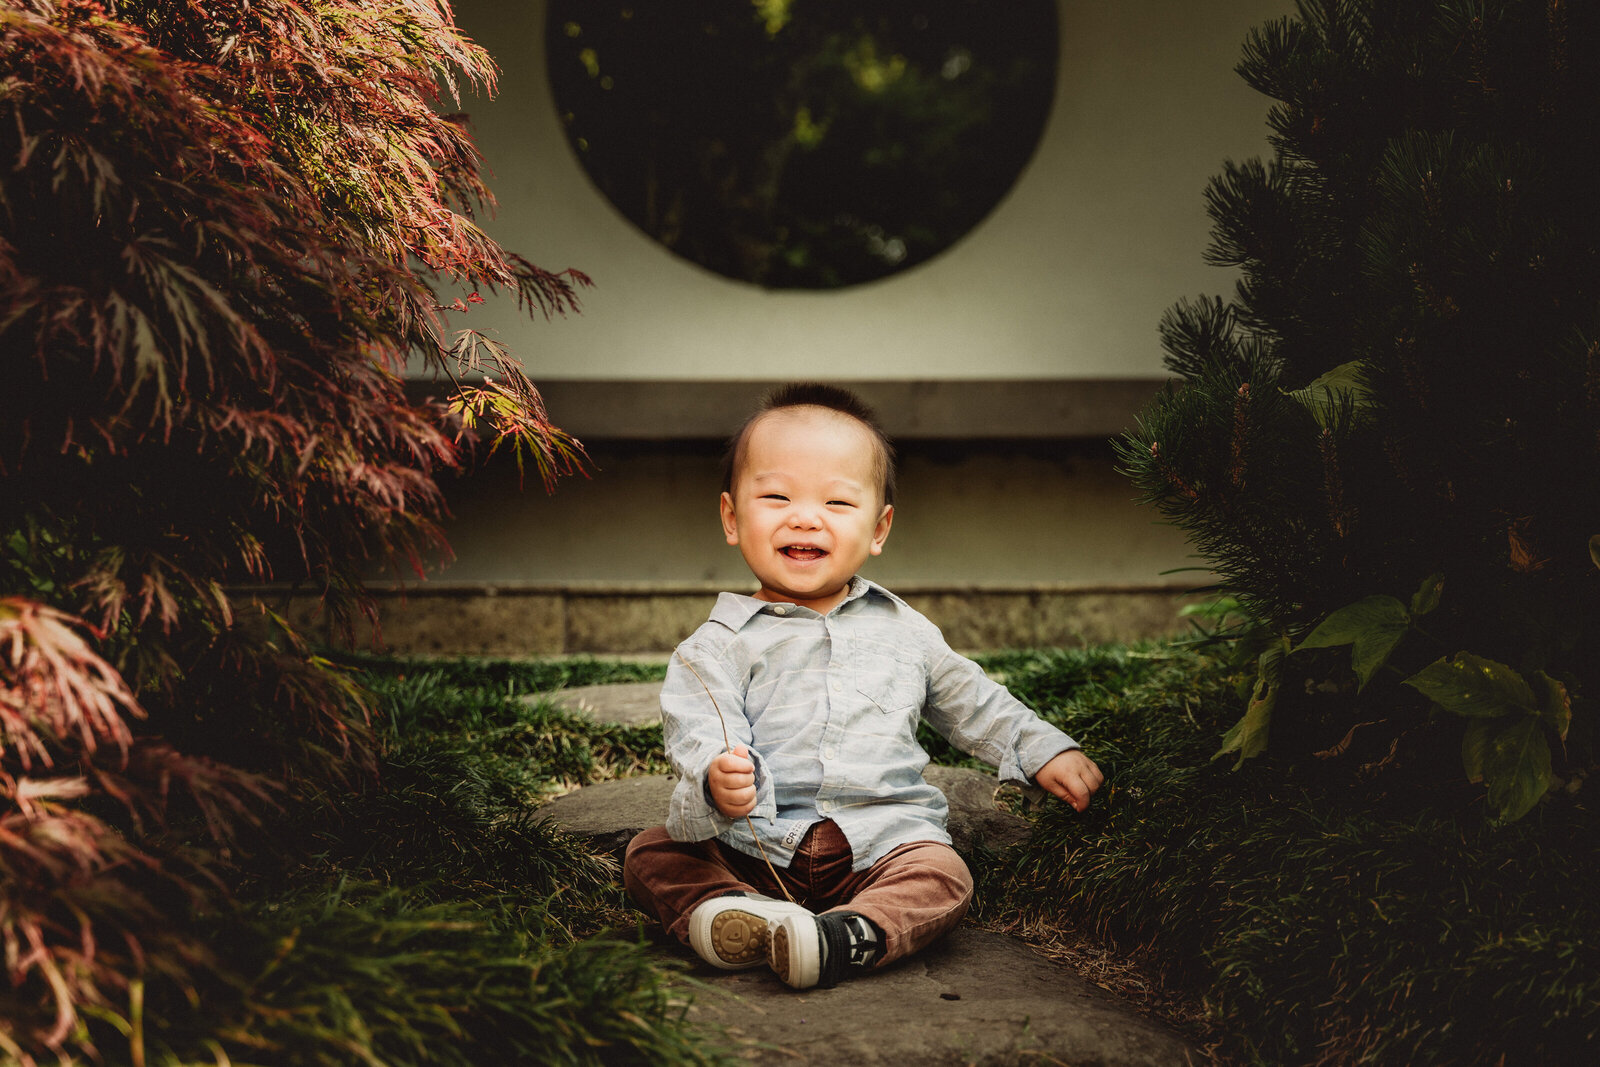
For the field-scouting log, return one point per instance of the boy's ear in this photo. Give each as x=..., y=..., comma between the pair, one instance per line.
x=730, y=527
x=880, y=532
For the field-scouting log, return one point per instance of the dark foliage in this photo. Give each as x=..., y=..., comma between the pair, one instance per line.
x=1314, y=929
x=1406, y=383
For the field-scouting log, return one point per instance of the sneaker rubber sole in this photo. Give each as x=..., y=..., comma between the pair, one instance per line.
x=795, y=952
x=737, y=938
x=734, y=932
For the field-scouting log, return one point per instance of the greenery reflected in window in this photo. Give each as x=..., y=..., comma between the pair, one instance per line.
x=804, y=143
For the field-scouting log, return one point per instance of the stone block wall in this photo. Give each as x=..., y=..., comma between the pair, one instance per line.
x=507, y=621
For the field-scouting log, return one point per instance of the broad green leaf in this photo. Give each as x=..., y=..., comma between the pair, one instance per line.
x=1553, y=702
x=1349, y=623
x=1474, y=748
x=1372, y=651
x=1475, y=687
x=1516, y=768
x=1324, y=396
x=1374, y=625
x=1427, y=595
x=1248, y=737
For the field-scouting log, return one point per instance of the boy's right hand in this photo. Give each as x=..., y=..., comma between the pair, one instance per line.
x=732, y=782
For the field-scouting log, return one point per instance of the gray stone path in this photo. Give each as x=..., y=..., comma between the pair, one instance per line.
x=630, y=703
x=973, y=998
x=976, y=997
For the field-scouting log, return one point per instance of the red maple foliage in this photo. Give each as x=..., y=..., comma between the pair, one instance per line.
x=225, y=229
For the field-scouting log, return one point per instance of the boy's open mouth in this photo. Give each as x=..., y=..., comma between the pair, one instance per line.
x=803, y=553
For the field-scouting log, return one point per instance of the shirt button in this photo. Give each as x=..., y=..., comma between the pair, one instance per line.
x=837, y=687
x=831, y=754
x=823, y=806
x=780, y=610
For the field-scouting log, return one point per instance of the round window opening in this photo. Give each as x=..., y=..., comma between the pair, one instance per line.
x=803, y=144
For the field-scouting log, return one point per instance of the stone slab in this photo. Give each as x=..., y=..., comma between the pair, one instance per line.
x=629, y=703
x=974, y=997
x=608, y=814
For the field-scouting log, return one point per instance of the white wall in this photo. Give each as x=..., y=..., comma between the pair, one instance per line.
x=1060, y=289
x=1067, y=278
x=1001, y=517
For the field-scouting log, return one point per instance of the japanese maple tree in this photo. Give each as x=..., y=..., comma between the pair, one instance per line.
x=226, y=226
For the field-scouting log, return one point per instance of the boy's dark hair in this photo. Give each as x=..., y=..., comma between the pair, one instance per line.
x=815, y=394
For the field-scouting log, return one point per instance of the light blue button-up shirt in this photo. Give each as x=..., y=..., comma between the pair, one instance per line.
x=829, y=705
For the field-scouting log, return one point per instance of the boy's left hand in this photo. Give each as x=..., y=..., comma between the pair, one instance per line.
x=1072, y=776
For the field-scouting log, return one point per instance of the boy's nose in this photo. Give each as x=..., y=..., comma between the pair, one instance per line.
x=804, y=517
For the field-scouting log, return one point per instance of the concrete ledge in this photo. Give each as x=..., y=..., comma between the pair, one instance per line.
x=1018, y=409
x=512, y=621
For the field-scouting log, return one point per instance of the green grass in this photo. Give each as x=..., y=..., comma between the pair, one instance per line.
x=513, y=677
x=365, y=974
x=432, y=920
x=429, y=918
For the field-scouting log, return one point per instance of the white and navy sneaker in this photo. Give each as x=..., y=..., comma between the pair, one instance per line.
x=818, y=950
x=733, y=931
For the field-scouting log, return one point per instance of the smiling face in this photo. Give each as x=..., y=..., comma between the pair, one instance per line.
x=806, y=509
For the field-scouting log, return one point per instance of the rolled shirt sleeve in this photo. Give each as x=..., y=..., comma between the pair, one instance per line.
x=980, y=716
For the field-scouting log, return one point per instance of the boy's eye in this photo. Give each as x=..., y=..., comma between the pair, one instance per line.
x=774, y=496
x=840, y=503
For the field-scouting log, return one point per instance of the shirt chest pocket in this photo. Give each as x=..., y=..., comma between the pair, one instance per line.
x=891, y=681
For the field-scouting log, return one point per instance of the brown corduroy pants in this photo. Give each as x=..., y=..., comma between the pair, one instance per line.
x=915, y=894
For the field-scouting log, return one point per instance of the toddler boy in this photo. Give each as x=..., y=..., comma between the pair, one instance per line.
x=791, y=719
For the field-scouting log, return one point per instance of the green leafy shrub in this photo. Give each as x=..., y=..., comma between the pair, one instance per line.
x=1400, y=400
x=224, y=230
x=1315, y=929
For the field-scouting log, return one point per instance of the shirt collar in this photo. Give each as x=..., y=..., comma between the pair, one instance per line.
x=733, y=610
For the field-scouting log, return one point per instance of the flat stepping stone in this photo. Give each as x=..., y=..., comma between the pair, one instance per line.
x=973, y=997
x=628, y=703
x=608, y=814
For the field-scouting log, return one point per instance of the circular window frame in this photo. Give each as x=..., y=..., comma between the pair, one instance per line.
x=716, y=137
